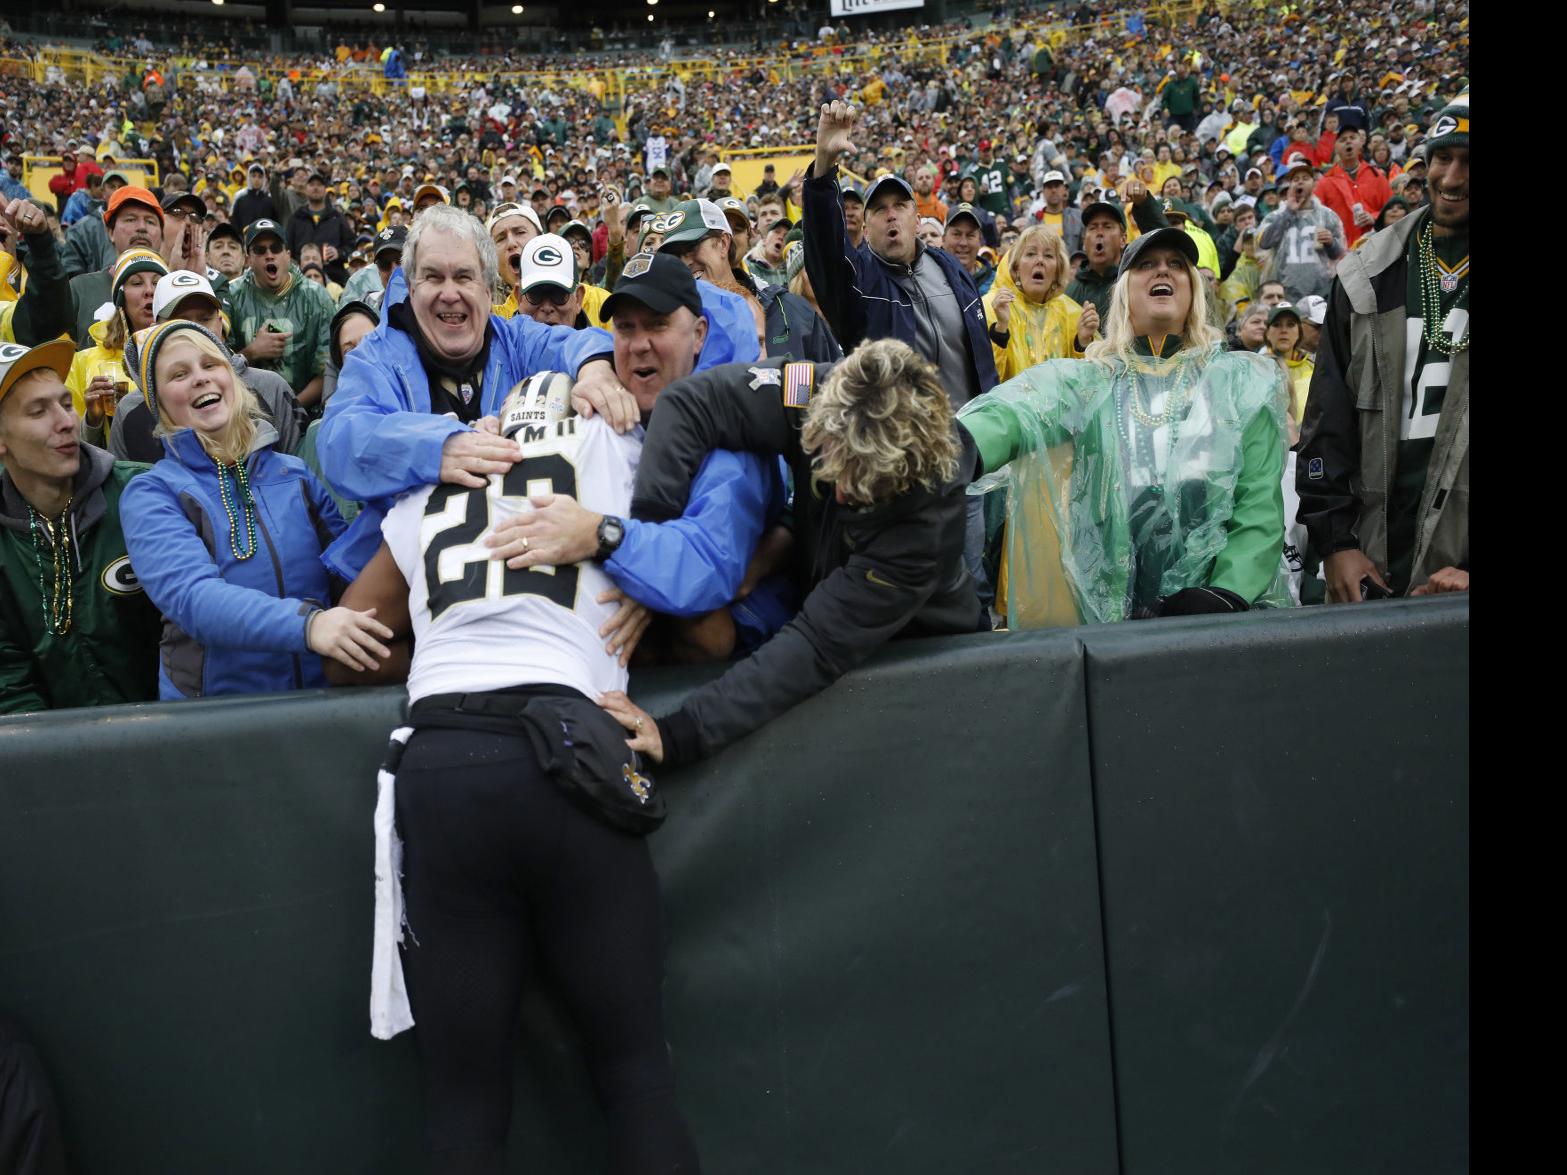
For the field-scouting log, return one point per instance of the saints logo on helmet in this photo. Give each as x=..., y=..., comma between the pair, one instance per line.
x=541, y=399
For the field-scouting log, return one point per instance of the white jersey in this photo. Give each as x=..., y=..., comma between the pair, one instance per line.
x=477, y=624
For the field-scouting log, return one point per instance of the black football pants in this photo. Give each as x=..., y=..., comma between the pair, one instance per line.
x=504, y=879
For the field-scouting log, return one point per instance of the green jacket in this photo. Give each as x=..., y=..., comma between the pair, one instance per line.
x=302, y=306
x=109, y=654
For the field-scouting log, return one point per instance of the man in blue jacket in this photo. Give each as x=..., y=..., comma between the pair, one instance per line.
x=416, y=401
x=717, y=567
x=895, y=287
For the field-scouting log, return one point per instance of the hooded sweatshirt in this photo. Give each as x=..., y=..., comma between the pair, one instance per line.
x=109, y=654
x=1036, y=331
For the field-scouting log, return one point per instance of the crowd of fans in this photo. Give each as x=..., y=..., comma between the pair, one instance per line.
x=244, y=317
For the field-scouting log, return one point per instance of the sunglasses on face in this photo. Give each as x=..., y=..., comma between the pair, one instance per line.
x=267, y=250
x=548, y=296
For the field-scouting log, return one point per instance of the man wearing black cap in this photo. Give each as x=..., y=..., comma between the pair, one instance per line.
x=369, y=284
x=1104, y=239
x=852, y=200
x=319, y=222
x=691, y=568
x=255, y=202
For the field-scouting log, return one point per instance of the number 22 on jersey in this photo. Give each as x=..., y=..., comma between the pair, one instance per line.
x=457, y=565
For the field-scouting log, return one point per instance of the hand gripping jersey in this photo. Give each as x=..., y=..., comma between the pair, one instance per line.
x=477, y=624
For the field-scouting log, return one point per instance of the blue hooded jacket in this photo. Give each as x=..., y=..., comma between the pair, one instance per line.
x=231, y=626
x=379, y=437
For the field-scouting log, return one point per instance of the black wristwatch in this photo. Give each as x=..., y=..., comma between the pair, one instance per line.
x=610, y=533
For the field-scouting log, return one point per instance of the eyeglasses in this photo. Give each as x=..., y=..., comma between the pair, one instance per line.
x=548, y=296
x=259, y=250
x=183, y=214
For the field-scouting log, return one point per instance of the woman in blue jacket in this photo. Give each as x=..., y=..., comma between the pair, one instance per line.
x=226, y=534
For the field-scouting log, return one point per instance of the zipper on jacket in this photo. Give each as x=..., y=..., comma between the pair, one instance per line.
x=282, y=592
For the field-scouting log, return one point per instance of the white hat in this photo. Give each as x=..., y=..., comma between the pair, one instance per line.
x=1053, y=177
x=547, y=259
x=1313, y=308
x=508, y=179
x=173, y=288
x=512, y=208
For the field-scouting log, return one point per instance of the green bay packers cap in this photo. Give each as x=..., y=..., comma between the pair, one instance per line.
x=690, y=221
x=659, y=281
x=734, y=208
x=56, y=356
x=961, y=210
x=547, y=260
x=174, y=289
x=263, y=228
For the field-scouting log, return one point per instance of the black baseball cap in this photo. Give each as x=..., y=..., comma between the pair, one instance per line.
x=1176, y=238
x=263, y=228
x=225, y=228
x=964, y=209
x=317, y=177
x=660, y=281
x=851, y=190
x=1100, y=206
x=194, y=202
x=390, y=240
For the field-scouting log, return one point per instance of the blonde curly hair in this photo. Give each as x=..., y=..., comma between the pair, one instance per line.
x=881, y=424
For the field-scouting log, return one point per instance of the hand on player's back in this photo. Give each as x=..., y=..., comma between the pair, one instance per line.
x=467, y=458
x=556, y=532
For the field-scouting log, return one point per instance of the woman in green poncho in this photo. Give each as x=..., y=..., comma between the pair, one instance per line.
x=1145, y=480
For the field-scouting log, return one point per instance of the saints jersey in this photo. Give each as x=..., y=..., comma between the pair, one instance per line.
x=477, y=624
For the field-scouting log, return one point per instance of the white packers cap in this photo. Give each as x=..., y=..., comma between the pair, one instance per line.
x=174, y=288
x=1313, y=308
x=547, y=260
x=1053, y=177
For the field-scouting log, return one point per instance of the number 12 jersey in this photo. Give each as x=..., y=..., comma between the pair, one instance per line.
x=477, y=624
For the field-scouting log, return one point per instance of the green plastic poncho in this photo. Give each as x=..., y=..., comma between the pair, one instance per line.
x=1128, y=482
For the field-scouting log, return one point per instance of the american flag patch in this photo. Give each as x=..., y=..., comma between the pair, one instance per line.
x=798, y=380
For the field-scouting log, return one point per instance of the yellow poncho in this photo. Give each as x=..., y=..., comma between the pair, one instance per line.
x=1038, y=330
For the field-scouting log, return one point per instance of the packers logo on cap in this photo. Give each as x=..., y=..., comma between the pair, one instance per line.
x=638, y=265
x=185, y=278
x=1447, y=125
x=549, y=255
x=10, y=353
x=669, y=222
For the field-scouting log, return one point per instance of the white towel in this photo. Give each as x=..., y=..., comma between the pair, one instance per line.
x=389, y=1010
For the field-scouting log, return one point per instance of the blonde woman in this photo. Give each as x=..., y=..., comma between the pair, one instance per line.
x=226, y=534
x=1031, y=318
x=1156, y=463
x=98, y=378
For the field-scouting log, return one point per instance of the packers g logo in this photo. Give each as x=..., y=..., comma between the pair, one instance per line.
x=119, y=577
x=10, y=353
x=669, y=222
x=1445, y=125
x=184, y=279
x=548, y=255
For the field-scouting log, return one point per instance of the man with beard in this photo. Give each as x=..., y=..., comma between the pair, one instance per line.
x=926, y=201
x=785, y=323
x=1383, y=466
x=135, y=221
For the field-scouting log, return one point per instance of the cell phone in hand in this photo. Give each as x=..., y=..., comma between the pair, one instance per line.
x=1370, y=589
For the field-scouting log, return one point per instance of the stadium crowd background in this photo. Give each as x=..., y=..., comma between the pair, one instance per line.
x=1191, y=114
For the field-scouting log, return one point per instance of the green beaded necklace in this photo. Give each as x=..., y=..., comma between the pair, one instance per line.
x=58, y=611
x=1431, y=314
x=238, y=504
